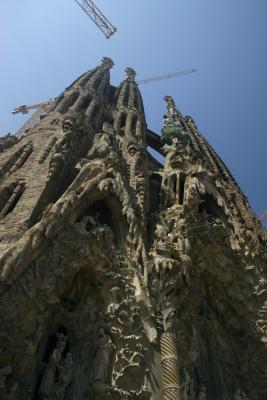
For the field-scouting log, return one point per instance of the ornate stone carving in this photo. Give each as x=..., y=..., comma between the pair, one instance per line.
x=239, y=395
x=65, y=376
x=103, y=348
x=7, y=141
x=8, y=384
x=202, y=393
x=48, y=382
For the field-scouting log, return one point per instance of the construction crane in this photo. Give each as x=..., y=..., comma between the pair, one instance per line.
x=97, y=17
x=167, y=76
x=41, y=107
x=263, y=216
x=34, y=118
x=24, y=109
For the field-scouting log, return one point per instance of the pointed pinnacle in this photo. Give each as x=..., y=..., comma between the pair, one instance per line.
x=107, y=62
x=130, y=74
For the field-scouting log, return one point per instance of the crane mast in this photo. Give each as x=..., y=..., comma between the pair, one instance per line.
x=34, y=118
x=97, y=17
x=24, y=109
x=263, y=216
x=167, y=76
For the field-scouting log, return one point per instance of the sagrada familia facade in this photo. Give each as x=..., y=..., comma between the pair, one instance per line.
x=122, y=278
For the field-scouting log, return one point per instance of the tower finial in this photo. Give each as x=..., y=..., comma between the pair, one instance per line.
x=170, y=104
x=107, y=62
x=130, y=74
x=172, y=113
x=172, y=126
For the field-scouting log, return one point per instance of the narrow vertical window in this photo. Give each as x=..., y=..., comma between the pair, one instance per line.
x=123, y=121
x=134, y=122
x=181, y=188
x=174, y=183
x=13, y=199
x=96, y=115
x=135, y=98
x=126, y=95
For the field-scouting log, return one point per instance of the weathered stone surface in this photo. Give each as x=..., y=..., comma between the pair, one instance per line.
x=122, y=278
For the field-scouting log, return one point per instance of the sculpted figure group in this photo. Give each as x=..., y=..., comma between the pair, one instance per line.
x=58, y=372
x=239, y=395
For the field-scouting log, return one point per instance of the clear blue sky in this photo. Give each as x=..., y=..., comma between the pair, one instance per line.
x=47, y=44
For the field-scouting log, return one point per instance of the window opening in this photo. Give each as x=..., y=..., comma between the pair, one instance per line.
x=135, y=98
x=13, y=200
x=54, y=122
x=134, y=122
x=126, y=94
x=123, y=120
x=155, y=191
x=181, y=188
x=174, y=183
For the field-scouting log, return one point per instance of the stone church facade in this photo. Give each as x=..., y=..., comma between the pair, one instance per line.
x=122, y=278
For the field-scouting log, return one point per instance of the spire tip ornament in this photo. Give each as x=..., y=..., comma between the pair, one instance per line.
x=107, y=62
x=130, y=74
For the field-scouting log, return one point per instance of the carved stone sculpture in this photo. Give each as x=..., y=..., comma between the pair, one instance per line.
x=65, y=376
x=103, y=349
x=202, y=393
x=188, y=386
x=239, y=395
x=4, y=387
x=48, y=382
x=7, y=141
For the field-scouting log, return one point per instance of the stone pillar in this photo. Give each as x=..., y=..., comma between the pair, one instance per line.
x=169, y=358
x=170, y=372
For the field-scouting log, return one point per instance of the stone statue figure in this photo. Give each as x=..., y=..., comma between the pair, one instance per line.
x=188, y=386
x=5, y=388
x=239, y=395
x=65, y=376
x=103, y=347
x=49, y=377
x=4, y=373
x=102, y=146
x=202, y=393
x=171, y=150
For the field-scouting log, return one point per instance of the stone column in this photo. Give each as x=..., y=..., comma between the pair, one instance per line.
x=169, y=358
